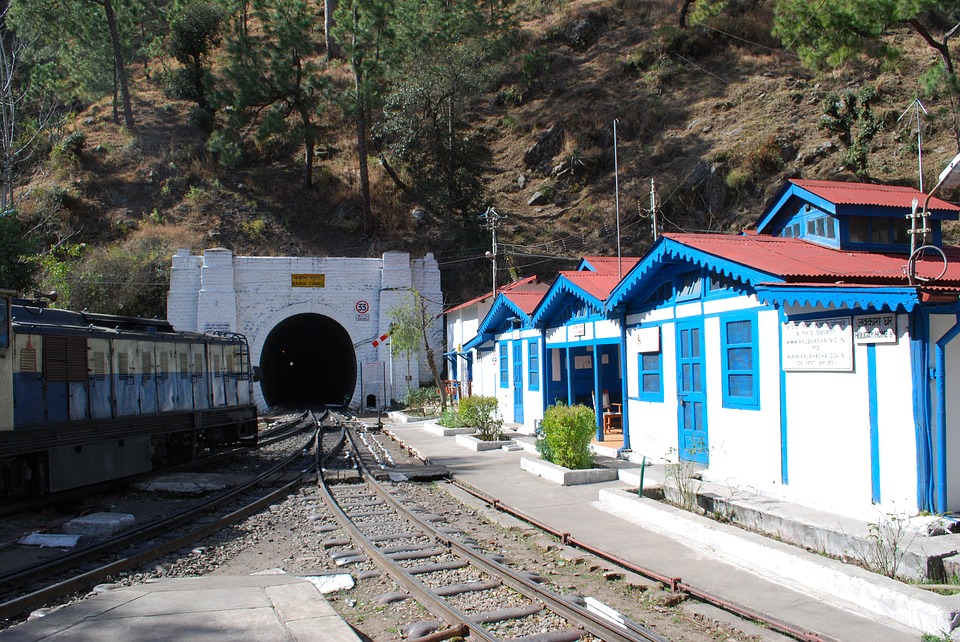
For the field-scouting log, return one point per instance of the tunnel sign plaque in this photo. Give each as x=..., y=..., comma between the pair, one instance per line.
x=307, y=280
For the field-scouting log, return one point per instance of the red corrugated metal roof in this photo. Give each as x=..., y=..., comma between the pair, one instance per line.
x=796, y=260
x=522, y=283
x=842, y=193
x=527, y=299
x=596, y=284
x=610, y=263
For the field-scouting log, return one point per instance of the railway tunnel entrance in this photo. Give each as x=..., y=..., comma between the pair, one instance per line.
x=308, y=360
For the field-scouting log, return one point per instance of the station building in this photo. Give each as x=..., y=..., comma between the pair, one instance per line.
x=809, y=359
x=318, y=328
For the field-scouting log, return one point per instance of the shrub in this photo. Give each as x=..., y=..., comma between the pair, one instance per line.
x=418, y=400
x=483, y=414
x=450, y=418
x=567, y=431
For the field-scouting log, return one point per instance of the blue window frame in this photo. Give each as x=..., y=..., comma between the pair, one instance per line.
x=690, y=287
x=504, y=366
x=741, y=376
x=650, y=373
x=533, y=364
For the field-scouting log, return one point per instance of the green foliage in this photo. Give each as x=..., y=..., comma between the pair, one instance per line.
x=442, y=56
x=130, y=278
x=57, y=267
x=277, y=89
x=450, y=418
x=71, y=146
x=18, y=267
x=420, y=400
x=534, y=66
x=851, y=117
x=567, y=431
x=482, y=413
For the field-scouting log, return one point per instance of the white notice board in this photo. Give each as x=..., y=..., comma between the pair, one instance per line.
x=817, y=345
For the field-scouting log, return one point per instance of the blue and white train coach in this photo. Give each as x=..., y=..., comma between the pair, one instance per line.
x=88, y=397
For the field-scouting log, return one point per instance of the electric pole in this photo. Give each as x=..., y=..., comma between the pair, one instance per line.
x=493, y=220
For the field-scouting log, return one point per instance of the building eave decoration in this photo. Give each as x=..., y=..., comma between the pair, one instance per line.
x=894, y=299
x=561, y=290
x=496, y=320
x=669, y=251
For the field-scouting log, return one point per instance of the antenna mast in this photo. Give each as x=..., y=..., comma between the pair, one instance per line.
x=917, y=107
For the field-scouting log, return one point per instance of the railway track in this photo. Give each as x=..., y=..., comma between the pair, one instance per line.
x=444, y=569
x=42, y=583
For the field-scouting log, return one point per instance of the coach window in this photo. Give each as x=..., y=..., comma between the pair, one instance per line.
x=4, y=323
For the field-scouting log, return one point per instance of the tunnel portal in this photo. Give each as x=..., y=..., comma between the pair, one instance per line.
x=308, y=360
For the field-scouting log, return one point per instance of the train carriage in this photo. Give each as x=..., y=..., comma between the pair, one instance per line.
x=93, y=397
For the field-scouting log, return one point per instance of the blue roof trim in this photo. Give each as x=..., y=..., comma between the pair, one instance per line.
x=479, y=340
x=560, y=291
x=585, y=266
x=668, y=251
x=893, y=299
x=495, y=322
x=788, y=191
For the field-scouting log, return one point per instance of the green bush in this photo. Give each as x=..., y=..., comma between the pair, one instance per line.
x=450, y=418
x=419, y=400
x=567, y=431
x=482, y=413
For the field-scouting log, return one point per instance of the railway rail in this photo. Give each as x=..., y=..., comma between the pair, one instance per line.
x=32, y=586
x=439, y=565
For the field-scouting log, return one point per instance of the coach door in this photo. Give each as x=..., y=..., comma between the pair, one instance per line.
x=98, y=378
x=126, y=380
x=149, y=402
x=691, y=395
x=184, y=378
x=199, y=377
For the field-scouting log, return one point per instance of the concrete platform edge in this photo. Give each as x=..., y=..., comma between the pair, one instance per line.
x=887, y=598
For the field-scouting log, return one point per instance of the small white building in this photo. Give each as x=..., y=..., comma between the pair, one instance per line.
x=810, y=359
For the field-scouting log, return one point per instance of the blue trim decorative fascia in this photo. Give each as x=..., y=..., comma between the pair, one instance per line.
x=557, y=294
x=894, y=299
x=787, y=192
x=668, y=250
x=479, y=340
x=502, y=310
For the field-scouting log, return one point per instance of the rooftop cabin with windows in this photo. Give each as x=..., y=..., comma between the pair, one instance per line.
x=853, y=216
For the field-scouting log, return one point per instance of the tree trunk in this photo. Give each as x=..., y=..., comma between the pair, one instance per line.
x=361, y=119
x=333, y=50
x=684, y=10
x=118, y=61
x=308, y=142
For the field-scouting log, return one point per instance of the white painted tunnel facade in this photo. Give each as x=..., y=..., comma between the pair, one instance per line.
x=346, y=300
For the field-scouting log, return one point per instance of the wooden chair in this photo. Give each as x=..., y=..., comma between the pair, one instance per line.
x=613, y=419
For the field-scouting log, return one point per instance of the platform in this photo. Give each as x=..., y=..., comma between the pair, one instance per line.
x=831, y=601
x=254, y=608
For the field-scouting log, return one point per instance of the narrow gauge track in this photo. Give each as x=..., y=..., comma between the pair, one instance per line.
x=30, y=587
x=403, y=541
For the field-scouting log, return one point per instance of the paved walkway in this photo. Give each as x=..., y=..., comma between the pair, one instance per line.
x=254, y=608
x=577, y=510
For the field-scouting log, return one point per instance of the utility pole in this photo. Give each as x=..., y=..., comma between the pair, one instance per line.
x=653, y=208
x=616, y=187
x=493, y=220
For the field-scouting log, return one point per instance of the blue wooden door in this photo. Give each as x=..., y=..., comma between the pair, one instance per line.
x=518, y=381
x=691, y=393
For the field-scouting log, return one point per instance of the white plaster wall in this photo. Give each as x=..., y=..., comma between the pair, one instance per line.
x=653, y=425
x=745, y=444
x=251, y=295
x=897, y=428
x=828, y=436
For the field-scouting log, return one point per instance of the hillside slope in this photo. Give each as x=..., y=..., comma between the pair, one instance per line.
x=716, y=117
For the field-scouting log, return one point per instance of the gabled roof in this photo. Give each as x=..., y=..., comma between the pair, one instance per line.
x=592, y=288
x=793, y=270
x=610, y=264
x=836, y=197
x=509, y=305
x=521, y=284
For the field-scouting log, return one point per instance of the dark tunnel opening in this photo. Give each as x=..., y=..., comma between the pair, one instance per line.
x=308, y=361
